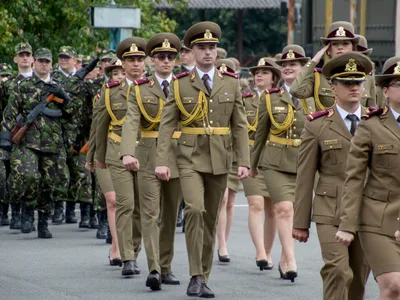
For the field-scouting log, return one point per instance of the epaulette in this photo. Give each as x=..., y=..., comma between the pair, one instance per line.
x=271, y=91
x=319, y=70
x=141, y=81
x=180, y=75
x=112, y=84
x=247, y=95
x=376, y=112
x=230, y=74
x=319, y=114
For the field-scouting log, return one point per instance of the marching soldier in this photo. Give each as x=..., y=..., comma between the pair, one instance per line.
x=370, y=202
x=38, y=159
x=276, y=146
x=113, y=106
x=325, y=146
x=311, y=83
x=209, y=106
x=144, y=112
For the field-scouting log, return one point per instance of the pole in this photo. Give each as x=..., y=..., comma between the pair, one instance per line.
x=328, y=15
x=363, y=18
x=290, y=37
x=240, y=35
x=397, y=34
x=353, y=13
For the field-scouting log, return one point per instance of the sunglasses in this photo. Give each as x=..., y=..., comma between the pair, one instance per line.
x=170, y=57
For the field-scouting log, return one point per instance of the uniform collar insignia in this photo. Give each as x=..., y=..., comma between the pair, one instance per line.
x=123, y=83
x=331, y=112
x=193, y=75
x=220, y=74
x=152, y=82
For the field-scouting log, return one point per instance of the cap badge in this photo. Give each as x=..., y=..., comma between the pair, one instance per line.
x=118, y=62
x=397, y=69
x=261, y=62
x=64, y=50
x=351, y=66
x=4, y=67
x=223, y=68
x=88, y=57
x=134, y=48
x=166, y=44
x=104, y=51
x=290, y=54
x=340, y=32
x=23, y=45
x=208, y=34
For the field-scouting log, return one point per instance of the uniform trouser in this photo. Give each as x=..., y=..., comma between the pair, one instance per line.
x=80, y=188
x=203, y=193
x=128, y=212
x=35, y=176
x=346, y=270
x=4, y=171
x=158, y=243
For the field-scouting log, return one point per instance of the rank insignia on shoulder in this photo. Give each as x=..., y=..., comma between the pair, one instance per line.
x=180, y=75
x=319, y=114
x=376, y=112
x=112, y=84
x=271, y=91
x=141, y=81
x=319, y=70
x=230, y=74
x=247, y=95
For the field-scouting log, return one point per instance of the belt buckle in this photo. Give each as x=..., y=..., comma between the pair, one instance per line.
x=296, y=142
x=209, y=130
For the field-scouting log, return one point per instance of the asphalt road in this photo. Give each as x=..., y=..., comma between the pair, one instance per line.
x=74, y=266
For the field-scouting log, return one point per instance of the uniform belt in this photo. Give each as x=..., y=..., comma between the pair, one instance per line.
x=283, y=141
x=114, y=137
x=154, y=134
x=251, y=142
x=208, y=130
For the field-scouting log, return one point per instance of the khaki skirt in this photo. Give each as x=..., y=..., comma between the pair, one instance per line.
x=280, y=185
x=382, y=252
x=104, y=178
x=233, y=181
x=255, y=186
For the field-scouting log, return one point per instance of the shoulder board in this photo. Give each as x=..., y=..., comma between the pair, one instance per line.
x=271, y=91
x=141, y=81
x=318, y=114
x=247, y=95
x=376, y=112
x=230, y=74
x=319, y=70
x=112, y=84
x=180, y=75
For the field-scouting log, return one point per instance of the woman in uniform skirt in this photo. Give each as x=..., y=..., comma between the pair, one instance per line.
x=276, y=147
x=370, y=200
x=267, y=75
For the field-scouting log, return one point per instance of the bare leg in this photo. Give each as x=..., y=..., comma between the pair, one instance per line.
x=389, y=286
x=111, y=208
x=269, y=227
x=255, y=221
x=221, y=226
x=230, y=210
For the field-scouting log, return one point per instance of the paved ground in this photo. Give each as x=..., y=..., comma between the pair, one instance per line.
x=73, y=266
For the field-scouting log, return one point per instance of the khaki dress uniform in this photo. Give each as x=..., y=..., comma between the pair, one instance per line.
x=113, y=107
x=144, y=114
x=211, y=121
x=277, y=138
x=372, y=206
x=312, y=83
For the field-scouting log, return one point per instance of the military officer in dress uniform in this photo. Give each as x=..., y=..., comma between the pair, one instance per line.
x=209, y=106
x=311, y=83
x=324, y=149
x=276, y=146
x=112, y=110
x=144, y=113
x=370, y=200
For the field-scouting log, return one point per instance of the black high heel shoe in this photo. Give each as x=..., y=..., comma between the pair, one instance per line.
x=291, y=275
x=262, y=263
x=114, y=261
x=283, y=275
x=224, y=258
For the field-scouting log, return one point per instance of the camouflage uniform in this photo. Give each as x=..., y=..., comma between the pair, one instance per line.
x=38, y=164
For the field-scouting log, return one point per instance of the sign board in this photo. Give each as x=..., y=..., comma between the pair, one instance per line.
x=114, y=17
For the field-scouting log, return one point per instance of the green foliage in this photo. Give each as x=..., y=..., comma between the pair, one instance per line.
x=55, y=23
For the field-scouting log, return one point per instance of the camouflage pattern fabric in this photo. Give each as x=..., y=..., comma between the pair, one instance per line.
x=3, y=180
x=80, y=188
x=99, y=201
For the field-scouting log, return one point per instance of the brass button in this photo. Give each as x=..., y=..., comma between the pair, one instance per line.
x=330, y=147
x=211, y=100
x=294, y=120
x=190, y=101
x=227, y=99
x=211, y=122
x=294, y=111
x=294, y=135
x=324, y=193
x=211, y=111
x=294, y=127
x=184, y=142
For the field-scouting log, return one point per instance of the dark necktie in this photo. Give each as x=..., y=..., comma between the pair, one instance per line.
x=295, y=101
x=398, y=120
x=206, y=84
x=353, y=119
x=165, y=85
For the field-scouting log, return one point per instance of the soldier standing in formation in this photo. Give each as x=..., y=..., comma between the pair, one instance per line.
x=209, y=106
x=276, y=147
x=112, y=111
x=370, y=202
x=325, y=146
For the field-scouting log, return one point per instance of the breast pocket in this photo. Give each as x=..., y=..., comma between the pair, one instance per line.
x=385, y=156
x=151, y=105
x=119, y=109
x=332, y=153
x=279, y=113
x=375, y=201
x=189, y=103
x=226, y=103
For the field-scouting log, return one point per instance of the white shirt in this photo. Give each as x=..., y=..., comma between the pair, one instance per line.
x=27, y=75
x=343, y=114
x=161, y=80
x=395, y=115
x=66, y=74
x=189, y=68
x=47, y=80
x=128, y=81
x=288, y=90
x=210, y=76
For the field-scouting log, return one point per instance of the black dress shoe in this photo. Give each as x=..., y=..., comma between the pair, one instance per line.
x=170, y=279
x=194, y=287
x=224, y=258
x=136, y=269
x=154, y=281
x=206, y=292
x=128, y=269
